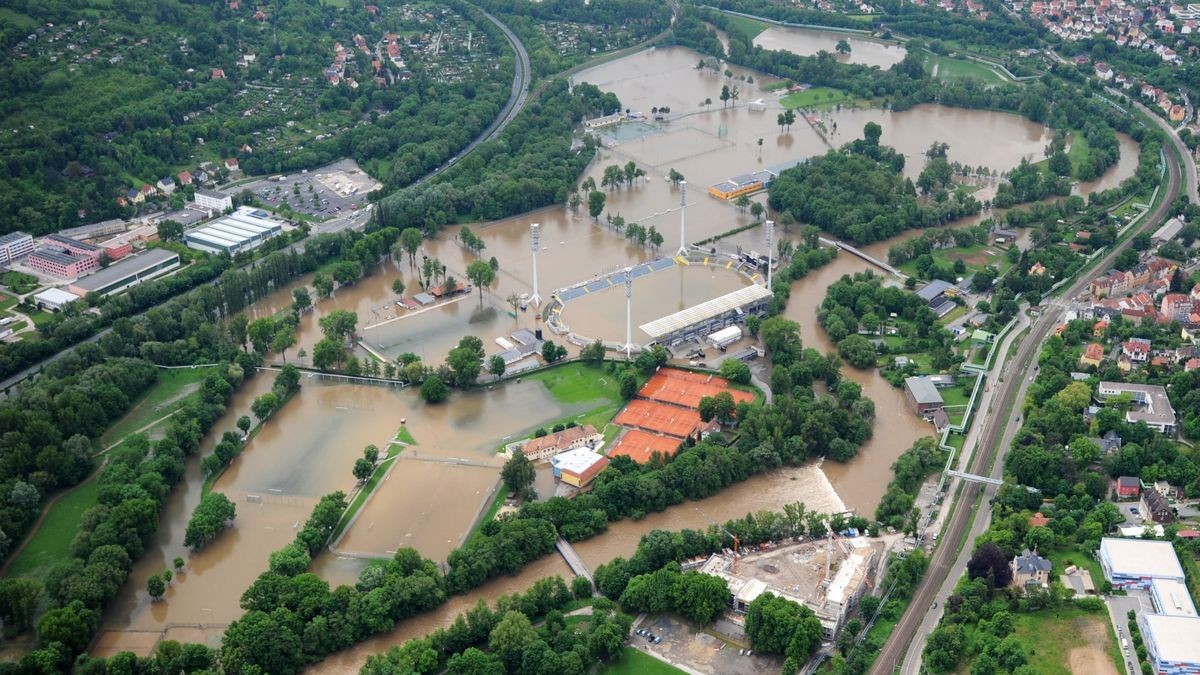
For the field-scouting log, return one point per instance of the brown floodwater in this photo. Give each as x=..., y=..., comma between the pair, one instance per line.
x=601, y=315
x=328, y=430
x=807, y=42
x=765, y=492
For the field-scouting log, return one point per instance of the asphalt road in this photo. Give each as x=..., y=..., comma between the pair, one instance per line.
x=948, y=561
x=522, y=76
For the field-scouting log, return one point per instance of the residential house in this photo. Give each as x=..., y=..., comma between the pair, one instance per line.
x=166, y=185
x=1100, y=328
x=231, y=164
x=1128, y=486
x=1156, y=507
x=1110, y=443
x=1039, y=520
x=922, y=395
x=184, y=178
x=1093, y=354
x=1137, y=350
x=1030, y=570
x=1176, y=306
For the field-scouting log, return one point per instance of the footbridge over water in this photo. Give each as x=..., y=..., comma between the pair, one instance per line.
x=573, y=560
x=861, y=254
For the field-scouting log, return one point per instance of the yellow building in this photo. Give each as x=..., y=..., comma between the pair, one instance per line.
x=742, y=185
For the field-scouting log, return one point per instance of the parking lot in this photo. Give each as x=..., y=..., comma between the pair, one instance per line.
x=325, y=192
x=1118, y=609
x=693, y=650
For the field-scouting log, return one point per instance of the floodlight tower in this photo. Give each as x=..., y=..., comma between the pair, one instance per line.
x=629, y=312
x=682, y=204
x=535, y=239
x=770, y=249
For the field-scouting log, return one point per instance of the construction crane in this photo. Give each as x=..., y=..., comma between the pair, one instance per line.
x=736, y=541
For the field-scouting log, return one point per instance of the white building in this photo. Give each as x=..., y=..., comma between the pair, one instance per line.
x=54, y=298
x=214, y=200
x=1134, y=563
x=1172, y=598
x=15, y=245
x=1151, y=404
x=1172, y=646
x=243, y=230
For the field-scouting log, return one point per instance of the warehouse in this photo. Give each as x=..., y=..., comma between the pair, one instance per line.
x=129, y=272
x=1134, y=563
x=242, y=230
x=577, y=467
x=54, y=298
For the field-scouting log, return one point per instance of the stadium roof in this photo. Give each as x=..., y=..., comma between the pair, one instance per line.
x=705, y=311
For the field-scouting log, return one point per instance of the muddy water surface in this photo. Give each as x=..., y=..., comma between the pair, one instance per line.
x=807, y=42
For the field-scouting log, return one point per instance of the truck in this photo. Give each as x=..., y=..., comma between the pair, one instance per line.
x=725, y=337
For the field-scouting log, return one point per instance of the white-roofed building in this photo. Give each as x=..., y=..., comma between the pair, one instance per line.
x=1171, y=597
x=1134, y=563
x=1172, y=646
x=214, y=200
x=243, y=230
x=54, y=298
x=577, y=467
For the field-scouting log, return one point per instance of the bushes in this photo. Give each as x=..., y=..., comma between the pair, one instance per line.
x=697, y=597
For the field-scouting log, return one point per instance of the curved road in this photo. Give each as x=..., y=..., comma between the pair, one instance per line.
x=522, y=76
x=948, y=562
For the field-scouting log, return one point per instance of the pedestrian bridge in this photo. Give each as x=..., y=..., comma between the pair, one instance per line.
x=573, y=560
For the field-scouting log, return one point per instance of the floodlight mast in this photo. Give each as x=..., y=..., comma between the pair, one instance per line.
x=535, y=240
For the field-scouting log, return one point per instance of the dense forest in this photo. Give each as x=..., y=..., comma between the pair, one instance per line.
x=532, y=164
x=860, y=195
x=108, y=98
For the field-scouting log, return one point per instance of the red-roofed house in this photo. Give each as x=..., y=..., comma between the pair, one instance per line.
x=231, y=164
x=1176, y=306
x=1100, y=327
x=1128, y=486
x=1093, y=354
x=184, y=178
x=1136, y=350
x=218, y=74
x=1191, y=364
x=1038, y=520
x=1188, y=534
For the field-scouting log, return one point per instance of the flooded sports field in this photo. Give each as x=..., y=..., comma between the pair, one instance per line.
x=807, y=42
x=435, y=489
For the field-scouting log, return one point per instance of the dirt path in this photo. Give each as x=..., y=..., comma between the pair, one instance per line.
x=151, y=425
x=1092, y=659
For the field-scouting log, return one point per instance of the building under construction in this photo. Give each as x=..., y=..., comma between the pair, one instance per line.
x=828, y=576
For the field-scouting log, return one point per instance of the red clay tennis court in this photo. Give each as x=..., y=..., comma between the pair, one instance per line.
x=639, y=445
x=658, y=417
x=686, y=388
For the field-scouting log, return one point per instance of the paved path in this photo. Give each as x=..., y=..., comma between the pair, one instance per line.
x=947, y=562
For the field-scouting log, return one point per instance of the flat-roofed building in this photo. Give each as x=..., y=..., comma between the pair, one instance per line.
x=1171, y=642
x=742, y=185
x=1171, y=597
x=131, y=271
x=214, y=200
x=1151, y=404
x=242, y=230
x=54, y=298
x=1134, y=563
x=15, y=245
x=72, y=246
x=706, y=318
x=62, y=264
x=577, y=467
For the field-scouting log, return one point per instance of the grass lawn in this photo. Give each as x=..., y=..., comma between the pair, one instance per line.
x=579, y=383
x=490, y=514
x=633, y=662
x=953, y=315
x=170, y=393
x=405, y=436
x=1064, y=558
x=1049, y=636
x=774, y=85
x=815, y=96
x=19, y=282
x=40, y=318
x=746, y=26
x=1079, y=153
x=963, y=69
x=957, y=441
x=52, y=541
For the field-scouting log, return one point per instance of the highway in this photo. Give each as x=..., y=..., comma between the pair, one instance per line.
x=949, y=562
x=522, y=76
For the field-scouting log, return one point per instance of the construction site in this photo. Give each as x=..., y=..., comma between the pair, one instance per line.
x=828, y=575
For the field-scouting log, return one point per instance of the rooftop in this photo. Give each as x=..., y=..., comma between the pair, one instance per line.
x=56, y=296
x=1172, y=598
x=577, y=461
x=934, y=289
x=1155, y=405
x=67, y=241
x=56, y=256
x=215, y=194
x=12, y=237
x=1175, y=637
x=705, y=311
x=1142, y=557
x=125, y=268
x=922, y=390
